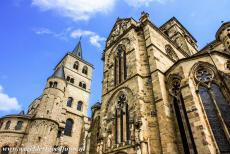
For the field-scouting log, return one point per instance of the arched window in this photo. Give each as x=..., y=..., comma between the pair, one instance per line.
x=181, y=115
x=1, y=123
x=50, y=84
x=120, y=68
x=19, y=125
x=68, y=127
x=171, y=53
x=76, y=65
x=82, y=84
x=122, y=131
x=85, y=70
x=55, y=84
x=5, y=150
x=72, y=80
x=7, y=125
x=79, y=106
x=213, y=101
x=68, y=78
x=69, y=102
x=65, y=150
x=228, y=65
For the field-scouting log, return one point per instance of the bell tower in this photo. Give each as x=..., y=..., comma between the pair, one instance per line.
x=60, y=113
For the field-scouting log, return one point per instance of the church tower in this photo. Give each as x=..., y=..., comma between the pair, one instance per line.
x=60, y=113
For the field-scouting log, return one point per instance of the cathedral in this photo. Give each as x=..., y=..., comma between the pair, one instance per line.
x=160, y=94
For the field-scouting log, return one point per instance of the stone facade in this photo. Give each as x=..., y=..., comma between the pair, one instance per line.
x=160, y=93
x=58, y=118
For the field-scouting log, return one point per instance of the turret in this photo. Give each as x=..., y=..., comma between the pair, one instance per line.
x=223, y=35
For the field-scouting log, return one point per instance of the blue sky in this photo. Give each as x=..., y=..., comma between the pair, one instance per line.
x=36, y=34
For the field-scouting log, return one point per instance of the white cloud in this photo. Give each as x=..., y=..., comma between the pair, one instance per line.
x=60, y=35
x=8, y=103
x=139, y=3
x=94, y=38
x=75, y=9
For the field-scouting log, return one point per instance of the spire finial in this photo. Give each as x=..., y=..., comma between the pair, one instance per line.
x=78, y=50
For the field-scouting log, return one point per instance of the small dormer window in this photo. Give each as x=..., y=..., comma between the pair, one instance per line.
x=76, y=65
x=85, y=70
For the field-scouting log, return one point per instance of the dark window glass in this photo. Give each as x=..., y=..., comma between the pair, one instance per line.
x=5, y=150
x=85, y=70
x=51, y=84
x=19, y=125
x=71, y=80
x=55, y=85
x=75, y=66
x=65, y=150
x=84, y=85
x=68, y=127
x=59, y=133
x=79, y=106
x=214, y=121
x=68, y=78
x=181, y=125
x=69, y=101
x=80, y=84
x=120, y=67
x=1, y=123
x=7, y=125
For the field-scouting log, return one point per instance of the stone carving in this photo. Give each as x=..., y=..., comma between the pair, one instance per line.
x=120, y=27
x=204, y=74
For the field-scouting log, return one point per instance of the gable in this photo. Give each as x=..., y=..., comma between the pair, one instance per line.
x=119, y=28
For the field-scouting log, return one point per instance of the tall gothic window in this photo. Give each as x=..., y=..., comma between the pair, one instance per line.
x=19, y=125
x=122, y=131
x=7, y=126
x=69, y=102
x=120, y=68
x=181, y=116
x=171, y=53
x=68, y=127
x=215, y=105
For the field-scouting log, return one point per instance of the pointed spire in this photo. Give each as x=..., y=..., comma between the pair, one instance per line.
x=59, y=72
x=22, y=112
x=78, y=50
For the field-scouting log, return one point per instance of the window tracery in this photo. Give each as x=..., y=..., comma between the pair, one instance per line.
x=171, y=53
x=216, y=105
x=122, y=130
x=120, y=68
x=181, y=114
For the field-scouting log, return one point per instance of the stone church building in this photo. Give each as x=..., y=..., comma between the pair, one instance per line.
x=160, y=95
